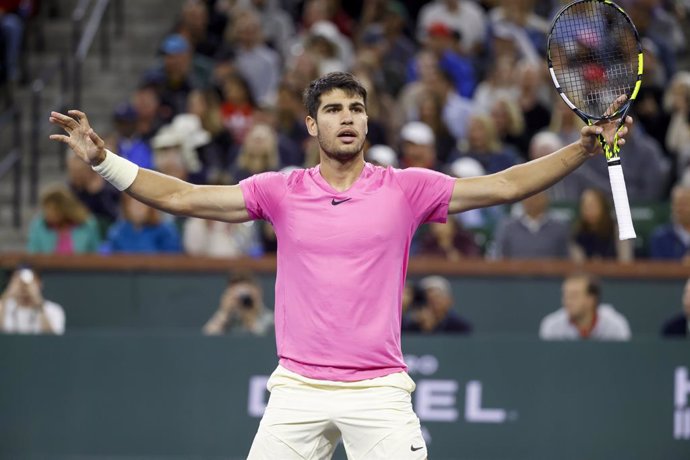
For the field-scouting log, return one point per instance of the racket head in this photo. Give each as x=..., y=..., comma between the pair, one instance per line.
x=594, y=56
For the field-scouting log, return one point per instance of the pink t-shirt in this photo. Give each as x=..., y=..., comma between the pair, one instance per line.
x=342, y=261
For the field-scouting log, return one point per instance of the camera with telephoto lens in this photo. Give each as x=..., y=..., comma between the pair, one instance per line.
x=246, y=301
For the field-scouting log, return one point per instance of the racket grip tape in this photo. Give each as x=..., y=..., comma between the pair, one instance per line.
x=626, y=230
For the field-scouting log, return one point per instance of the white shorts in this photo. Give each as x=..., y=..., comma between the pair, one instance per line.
x=305, y=419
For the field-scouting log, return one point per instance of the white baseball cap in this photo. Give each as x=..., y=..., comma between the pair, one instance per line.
x=418, y=133
x=383, y=155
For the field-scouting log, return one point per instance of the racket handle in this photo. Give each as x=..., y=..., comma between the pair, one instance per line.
x=626, y=230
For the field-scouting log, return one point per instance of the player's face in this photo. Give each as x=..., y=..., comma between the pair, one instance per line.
x=340, y=125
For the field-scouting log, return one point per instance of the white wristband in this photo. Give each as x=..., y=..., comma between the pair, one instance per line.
x=117, y=170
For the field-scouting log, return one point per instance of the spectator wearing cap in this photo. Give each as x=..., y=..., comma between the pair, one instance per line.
x=127, y=141
x=442, y=42
x=432, y=312
x=418, y=146
x=464, y=16
x=381, y=155
x=178, y=73
x=175, y=148
x=334, y=50
x=481, y=219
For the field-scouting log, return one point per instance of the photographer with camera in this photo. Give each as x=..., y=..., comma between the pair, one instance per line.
x=431, y=310
x=24, y=310
x=241, y=309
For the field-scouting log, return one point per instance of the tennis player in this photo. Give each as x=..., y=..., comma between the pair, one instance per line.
x=344, y=229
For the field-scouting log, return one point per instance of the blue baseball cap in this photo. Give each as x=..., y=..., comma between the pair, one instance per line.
x=174, y=44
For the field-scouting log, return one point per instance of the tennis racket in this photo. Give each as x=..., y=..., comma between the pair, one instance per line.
x=595, y=61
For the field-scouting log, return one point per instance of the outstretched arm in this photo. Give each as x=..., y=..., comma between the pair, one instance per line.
x=166, y=193
x=521, y=181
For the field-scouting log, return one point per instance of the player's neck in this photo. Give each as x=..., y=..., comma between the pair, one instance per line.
x=341, y=175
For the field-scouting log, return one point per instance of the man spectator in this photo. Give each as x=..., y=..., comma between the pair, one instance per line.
x=418, y=145
x=179, y=72
x=582, y=316
x=101, y=198
x=533, y=235
x=432, y=309
x=241, y=309
x=255, y=61
x=466, y=17
x=24, y=310
x=672, y=240
x=679, y=325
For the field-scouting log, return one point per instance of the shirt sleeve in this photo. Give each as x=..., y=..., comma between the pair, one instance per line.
x=428, y=193
x=56, y=317
x=263, y=193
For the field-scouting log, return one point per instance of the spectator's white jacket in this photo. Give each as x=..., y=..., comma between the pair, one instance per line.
x=610, y=325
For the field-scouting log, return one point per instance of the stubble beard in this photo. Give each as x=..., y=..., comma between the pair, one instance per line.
x=344, y=154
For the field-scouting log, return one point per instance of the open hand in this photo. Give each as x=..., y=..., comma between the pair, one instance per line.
x=80, y=136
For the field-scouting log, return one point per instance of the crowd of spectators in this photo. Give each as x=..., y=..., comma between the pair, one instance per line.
x=459, y=86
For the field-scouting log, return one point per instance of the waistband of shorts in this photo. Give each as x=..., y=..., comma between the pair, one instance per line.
x=283, y=376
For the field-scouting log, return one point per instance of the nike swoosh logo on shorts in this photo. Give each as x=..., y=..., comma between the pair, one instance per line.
x=336, y=203
x=415, y=449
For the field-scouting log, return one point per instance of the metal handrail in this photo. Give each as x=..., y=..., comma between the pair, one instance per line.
x=12, y=162
x=84, y=31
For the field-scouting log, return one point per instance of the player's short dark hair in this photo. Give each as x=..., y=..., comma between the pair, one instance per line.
x=335, y=80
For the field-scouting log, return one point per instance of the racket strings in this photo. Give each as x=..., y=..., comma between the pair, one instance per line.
x=594, y=56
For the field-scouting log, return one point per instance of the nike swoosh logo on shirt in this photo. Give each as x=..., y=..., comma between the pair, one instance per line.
x=336, y=203
x=415, y=449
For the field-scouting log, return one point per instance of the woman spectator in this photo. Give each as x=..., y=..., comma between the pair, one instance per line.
x=221, y=239
x=596, y=233
x=484, y=146
x=238, y=107
x=431, y=113
x=677, y=105
x=448, y=240
x=64, y=225
x=216, y=156
x=510, y=124
x=258, y=154
x=142, y=229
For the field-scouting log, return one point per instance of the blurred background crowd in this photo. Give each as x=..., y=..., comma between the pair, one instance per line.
x=458, y=86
